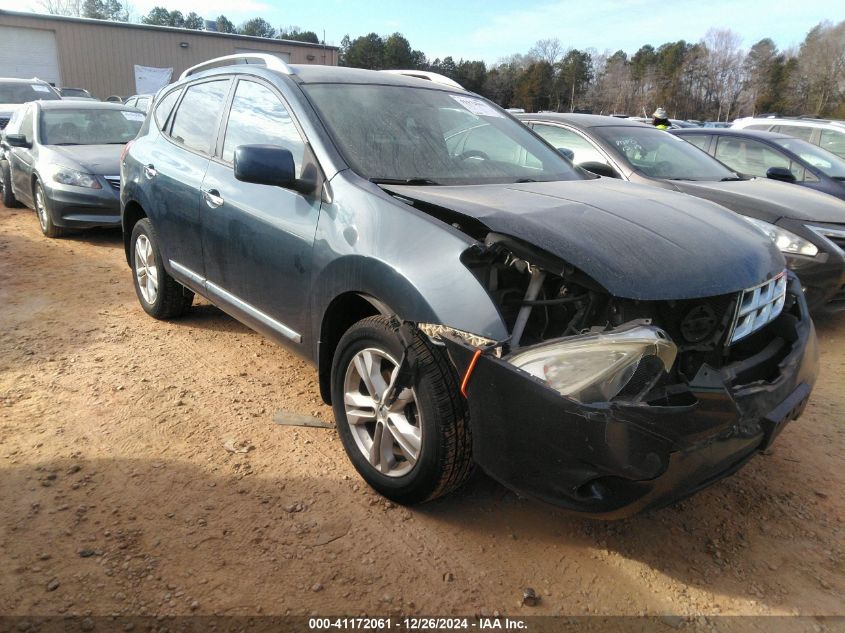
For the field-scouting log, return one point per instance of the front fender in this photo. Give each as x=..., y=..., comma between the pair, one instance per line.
x=368, y=242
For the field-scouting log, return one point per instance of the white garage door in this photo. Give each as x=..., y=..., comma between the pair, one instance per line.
x=27, y=53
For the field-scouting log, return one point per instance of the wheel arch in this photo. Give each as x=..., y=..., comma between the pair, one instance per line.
x=342, y=313
x=132, y=214
x=354, y=287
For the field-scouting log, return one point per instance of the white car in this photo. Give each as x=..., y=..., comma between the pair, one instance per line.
x=826, y=133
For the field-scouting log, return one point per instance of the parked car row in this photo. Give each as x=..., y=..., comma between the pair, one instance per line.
x=808, y=227
x=467, y=292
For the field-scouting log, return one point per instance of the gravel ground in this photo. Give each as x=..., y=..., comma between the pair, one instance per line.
x=117, y=495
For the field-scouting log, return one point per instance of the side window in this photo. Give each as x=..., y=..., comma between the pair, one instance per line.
x=165, y=106
x=196, y=118
x=143, y=104
x=258, y=116
x=797, y=131
x=833, y=141
x=752, y=157
x=131, y=102
x=759, y=126
x=561, y=138
x=699, y=140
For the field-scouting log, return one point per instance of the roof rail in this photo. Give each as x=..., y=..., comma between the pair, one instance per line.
x=269, y=61
x=429, y=76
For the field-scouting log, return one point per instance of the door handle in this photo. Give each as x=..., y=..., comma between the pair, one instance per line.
x=212, y=198
x=150, y=171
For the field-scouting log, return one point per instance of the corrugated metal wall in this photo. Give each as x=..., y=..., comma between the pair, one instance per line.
x=101, y=56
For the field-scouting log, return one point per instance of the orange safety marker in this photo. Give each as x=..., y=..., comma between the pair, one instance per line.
x=472, y=363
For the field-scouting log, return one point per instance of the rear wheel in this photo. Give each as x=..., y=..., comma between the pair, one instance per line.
x=42, y=210
x=404, y=428
x=9, y=199
x=160, y=295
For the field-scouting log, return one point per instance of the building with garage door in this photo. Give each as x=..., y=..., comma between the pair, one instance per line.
x=105, y=57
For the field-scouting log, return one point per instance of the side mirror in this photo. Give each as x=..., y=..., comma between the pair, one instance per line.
x=780, y=173
x=266, y=165
x=567, y=153
x=600, y=169
x=17, y=140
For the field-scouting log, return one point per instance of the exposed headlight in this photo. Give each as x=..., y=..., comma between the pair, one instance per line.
x=66, y=176
x=786, y=241
x=597, y=367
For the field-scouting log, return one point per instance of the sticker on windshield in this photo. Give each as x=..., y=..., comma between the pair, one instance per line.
x=40, y=88
x=477, y=106
x=132, y=116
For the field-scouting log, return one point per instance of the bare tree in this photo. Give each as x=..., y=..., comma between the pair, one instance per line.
x=62, y=7
x=724, y=63
x=549, y=50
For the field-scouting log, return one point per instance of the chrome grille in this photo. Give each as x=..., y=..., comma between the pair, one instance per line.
x=758, y=306
x=4, y=121
x=114, y=181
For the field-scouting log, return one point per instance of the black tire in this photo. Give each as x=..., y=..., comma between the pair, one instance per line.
x=444, y=461
x=45, y=220
x=9, y=200
x=171, y=298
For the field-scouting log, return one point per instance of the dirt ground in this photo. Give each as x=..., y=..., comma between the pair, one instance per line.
x=117, y=495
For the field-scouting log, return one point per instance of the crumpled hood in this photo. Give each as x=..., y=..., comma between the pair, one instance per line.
x=769, y=200
x=637, y=241
x=102, y=160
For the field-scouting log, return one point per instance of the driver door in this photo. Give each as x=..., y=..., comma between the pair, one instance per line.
x=257, y=239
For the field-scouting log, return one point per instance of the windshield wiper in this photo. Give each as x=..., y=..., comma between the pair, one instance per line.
x=524, y=180
x=731, y=178
x=404, y=181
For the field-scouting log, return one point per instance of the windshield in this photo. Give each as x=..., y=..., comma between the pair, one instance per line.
x=24, y=93
x=400, y=134
x=829, y=164
x=658, y=154
x=74, y=92
x=89, y=126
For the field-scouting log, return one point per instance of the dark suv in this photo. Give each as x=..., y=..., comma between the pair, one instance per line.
x=467, y=295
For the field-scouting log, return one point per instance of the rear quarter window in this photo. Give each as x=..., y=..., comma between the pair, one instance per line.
x=833, y=141
x=165, y=106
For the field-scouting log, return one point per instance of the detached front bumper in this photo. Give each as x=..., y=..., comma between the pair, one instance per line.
x=612, y=460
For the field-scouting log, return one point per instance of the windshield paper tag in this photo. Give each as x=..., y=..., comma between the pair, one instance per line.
x=40, y=88
x=132, y=116
x=476, y=106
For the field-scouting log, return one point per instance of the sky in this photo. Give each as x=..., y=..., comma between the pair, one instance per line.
x=491, y=29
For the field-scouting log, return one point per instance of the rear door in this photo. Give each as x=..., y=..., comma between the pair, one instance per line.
x=175, y=168
x=257, y=239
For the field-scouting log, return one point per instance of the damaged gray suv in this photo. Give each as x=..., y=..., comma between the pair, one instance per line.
x=467, y=295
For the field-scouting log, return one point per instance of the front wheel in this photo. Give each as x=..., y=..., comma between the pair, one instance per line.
x=42, y=210
x=160, y=295
x=403, y=425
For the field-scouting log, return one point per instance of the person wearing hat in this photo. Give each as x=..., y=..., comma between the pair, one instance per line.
x=660, y=119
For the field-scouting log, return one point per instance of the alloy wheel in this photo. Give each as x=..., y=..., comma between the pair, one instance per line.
x=385, y=425
x=41, y=208
x=146, y=271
